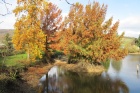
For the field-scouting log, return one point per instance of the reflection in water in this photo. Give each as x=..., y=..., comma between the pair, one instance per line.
x=106, y=64
x=70, y=82
x=128, y=72
x=133, y=58
x=116, y=65
x=138, y=76
x=121, y=77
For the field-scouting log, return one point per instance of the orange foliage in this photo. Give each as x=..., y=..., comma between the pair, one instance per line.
x=86, y=35
x=51, y=19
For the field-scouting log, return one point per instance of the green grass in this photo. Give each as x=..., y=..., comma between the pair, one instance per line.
x=14, y=60
x=127, y=41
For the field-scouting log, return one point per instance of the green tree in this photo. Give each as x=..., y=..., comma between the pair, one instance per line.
x=137, y=41
x=7, y=48
x=8, y=43
x=3, y=53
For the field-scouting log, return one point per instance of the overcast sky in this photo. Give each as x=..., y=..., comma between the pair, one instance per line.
x=127, y=11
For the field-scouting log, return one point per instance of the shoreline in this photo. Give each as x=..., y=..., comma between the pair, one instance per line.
x=135, y=53
x=33, y=74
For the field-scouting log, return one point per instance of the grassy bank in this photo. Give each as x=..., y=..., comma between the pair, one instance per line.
x=127, y=41
x=137, y=53
x=13, y=60
x=8, y=85
x=130, y=44
x=10, y=78
x=29, y=79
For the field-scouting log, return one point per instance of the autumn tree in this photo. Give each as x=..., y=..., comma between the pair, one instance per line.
x=28, y=34
x=87, y=36
x=51, y=19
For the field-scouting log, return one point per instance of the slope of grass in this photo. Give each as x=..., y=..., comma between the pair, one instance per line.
x=129, y=43
x=126, y=41
x=3, y=32
x=13, y=60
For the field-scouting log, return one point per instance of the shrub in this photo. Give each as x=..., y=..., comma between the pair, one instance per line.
x=133, y=49
x=56, y=54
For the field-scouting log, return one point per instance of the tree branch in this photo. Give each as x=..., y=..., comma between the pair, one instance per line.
x=5, y=14
x=5, y=3
x=69, y=3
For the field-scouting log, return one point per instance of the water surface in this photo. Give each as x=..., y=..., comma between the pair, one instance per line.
x=121, y=77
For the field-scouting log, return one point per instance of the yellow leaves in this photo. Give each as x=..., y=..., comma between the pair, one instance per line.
x=17, y=10
x=28, y=35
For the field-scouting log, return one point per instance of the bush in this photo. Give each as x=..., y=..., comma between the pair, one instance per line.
x=15, y=52
x=57, y=54
x=12, y=72
x=7, y=85
x=133, y=49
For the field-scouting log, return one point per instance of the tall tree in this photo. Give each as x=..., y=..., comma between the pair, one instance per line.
x=51, y=19
x=28, y=34
x=7, y=42
x=86, y=35
x=137, y=41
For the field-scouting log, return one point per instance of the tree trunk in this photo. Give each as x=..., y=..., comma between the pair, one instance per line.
x=47, y=56
x=28, y=55
x=47, y=83
x=69, y=60
x=4, y=58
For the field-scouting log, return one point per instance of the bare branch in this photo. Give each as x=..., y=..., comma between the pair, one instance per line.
x=69, y=3
x=7, y=9
x=6, y=2
x=5, y=14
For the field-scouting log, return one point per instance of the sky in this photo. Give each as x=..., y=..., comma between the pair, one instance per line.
x=126, y=11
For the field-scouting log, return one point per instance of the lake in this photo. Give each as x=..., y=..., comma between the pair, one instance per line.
x=121, y=77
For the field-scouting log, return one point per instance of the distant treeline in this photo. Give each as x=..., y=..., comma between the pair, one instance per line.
x=3, y=32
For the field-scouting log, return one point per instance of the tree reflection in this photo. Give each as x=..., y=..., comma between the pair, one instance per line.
x=70, y=82
x=133, y=58
x=116, y=65
x=95, y=83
